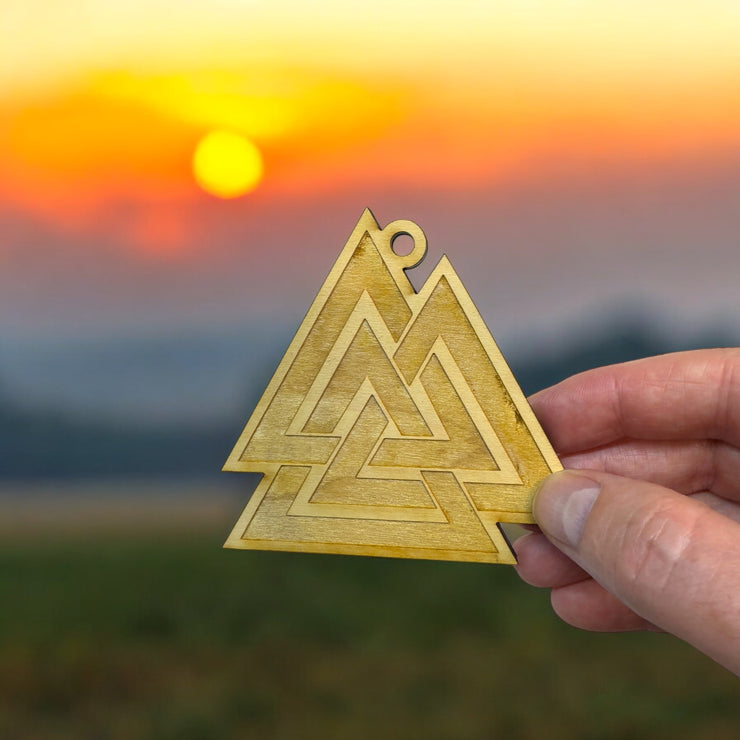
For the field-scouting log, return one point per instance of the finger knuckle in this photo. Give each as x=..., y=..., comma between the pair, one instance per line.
x=654, y=545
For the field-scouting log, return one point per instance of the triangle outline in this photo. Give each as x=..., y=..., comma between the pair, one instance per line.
x=276, y=472
x=366, y=226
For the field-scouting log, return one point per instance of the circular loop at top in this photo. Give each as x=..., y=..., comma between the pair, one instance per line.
x=409, y=228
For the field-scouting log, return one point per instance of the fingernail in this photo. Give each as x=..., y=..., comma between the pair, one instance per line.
x=562, y=505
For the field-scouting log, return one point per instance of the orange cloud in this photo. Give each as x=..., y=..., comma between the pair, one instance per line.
x=127, y=143
x=114, y=156
x=70, y=158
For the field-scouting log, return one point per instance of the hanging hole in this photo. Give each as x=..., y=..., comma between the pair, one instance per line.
x=402, y=244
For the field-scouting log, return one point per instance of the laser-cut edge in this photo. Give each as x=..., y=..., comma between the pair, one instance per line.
x=490, y=519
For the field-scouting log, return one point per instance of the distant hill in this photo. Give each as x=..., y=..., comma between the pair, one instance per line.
x=44, y=442
x=621, y=341
x=185, y=376
x=45, y=445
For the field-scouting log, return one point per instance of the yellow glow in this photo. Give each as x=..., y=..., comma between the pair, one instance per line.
x=265, y=108
x=631, y=40
x=227, y=165
x=215, y=100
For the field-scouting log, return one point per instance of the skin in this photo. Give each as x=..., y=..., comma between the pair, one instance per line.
x=643, y=529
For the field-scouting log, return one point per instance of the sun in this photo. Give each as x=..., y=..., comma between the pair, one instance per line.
x=227, y=165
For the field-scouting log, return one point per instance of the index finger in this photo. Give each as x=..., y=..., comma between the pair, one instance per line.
x=685, y=395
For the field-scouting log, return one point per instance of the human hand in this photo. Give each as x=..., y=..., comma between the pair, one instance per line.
x=646, y=533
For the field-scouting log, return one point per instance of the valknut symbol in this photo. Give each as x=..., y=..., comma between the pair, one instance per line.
x=393, y=425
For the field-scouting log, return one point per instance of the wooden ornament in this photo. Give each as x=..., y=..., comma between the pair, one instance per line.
x=393, y=425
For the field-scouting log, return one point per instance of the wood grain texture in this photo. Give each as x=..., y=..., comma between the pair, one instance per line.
x=393, y=425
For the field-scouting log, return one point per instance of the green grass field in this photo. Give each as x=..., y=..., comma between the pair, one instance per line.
x=169, y=636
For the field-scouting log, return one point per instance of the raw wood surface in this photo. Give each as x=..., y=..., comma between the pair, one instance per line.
x=393, y=425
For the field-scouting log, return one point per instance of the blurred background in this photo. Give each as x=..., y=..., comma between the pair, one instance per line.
x=176, y=180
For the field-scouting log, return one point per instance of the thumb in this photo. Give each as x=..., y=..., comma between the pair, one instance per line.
x=671, y=559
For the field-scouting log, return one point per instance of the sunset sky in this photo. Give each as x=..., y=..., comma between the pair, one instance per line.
x=568, y=156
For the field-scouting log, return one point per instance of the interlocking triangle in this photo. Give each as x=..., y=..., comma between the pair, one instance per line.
x=393, y=425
